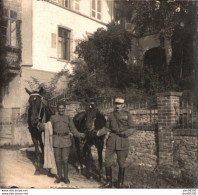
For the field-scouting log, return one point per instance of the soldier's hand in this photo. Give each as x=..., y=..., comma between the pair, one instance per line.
x=122, y=134
x=70, y=134
x=94, y=133
x=82, y=135
x=41, y=126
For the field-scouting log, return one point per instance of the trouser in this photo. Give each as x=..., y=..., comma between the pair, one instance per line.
x=61, y=158
x=121, y=157
x=62, y=154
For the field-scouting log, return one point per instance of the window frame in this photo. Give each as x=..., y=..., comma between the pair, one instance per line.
x=10, y=20
x=69, y=4
x=96, y=10
x=69, y=50
x=74, y=5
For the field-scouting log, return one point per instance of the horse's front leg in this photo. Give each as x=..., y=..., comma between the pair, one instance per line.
x=37, y=154
x=100, y=160
x=41, y=145
x=87, y=159
x=78, y=152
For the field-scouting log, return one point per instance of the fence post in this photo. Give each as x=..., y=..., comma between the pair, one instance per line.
x=168, y=108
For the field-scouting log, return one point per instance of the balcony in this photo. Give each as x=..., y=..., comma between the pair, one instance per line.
x=12, y=60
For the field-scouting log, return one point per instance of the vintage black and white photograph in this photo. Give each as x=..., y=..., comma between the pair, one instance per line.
x=98, y=94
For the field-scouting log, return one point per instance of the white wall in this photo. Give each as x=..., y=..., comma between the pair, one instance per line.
x=46, y=19
x=12, y=98
x=26, y=32
x=26, y=75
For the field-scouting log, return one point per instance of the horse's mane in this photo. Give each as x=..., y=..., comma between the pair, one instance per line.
x=80, y=119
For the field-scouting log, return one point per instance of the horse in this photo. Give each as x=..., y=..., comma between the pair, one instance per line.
x=89, y=123
x=38, y=112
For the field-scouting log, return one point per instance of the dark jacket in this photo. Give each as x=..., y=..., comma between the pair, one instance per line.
x=120, y=127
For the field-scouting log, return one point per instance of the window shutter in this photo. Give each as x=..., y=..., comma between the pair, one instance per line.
x=53, y=40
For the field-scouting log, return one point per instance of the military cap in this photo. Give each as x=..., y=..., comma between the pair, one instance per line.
x=92, y=101
x=119, y=100
x=61, y=102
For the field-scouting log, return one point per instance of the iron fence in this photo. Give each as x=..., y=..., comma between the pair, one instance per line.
x=187, y=115
x=66, y=96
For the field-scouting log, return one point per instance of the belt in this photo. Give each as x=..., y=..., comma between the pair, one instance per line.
x=60, y=134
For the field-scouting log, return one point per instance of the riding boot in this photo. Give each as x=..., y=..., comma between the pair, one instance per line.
x=59, y=170
x=108, y=183
x=121, y=177
x=65, y=169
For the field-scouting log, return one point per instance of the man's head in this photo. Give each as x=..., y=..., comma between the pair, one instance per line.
x=119, y=103
x=61, y=107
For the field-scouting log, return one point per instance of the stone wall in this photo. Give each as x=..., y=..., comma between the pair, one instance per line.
x=143, y=149
x=5, y=115
x=15, y=134
x=139, y=116
x=185, y=153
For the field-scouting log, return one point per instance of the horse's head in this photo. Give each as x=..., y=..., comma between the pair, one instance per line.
x=90, y=119
x=35, y=106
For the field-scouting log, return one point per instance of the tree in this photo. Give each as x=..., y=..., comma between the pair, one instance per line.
x=173, y=20
x=108, y=51
x=103, y=66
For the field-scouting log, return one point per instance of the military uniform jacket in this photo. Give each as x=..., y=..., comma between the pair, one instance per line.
x=62, y=126
x=119, y=123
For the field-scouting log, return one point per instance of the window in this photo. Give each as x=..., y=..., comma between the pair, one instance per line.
x=9, y=27
x=117, y=11
x=66, y=3
x=63, y=44
x=96, y=9
x=77, y=5
x=70, y=4
x=56, y=1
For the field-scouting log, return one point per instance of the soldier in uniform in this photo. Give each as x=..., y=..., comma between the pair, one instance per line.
x=119, y=128
x=63, y=129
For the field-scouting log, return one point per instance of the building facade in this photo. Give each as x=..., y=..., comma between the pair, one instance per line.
x=50, y=32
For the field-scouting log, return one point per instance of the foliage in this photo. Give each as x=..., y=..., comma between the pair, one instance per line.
x=173, y=20
x=108, y=52
x=51, y=88
x=161, y=16
x=102, y=70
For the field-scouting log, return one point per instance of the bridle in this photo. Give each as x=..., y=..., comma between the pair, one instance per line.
x=43, y=101
x=92, y=120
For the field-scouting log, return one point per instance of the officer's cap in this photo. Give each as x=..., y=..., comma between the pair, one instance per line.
x=119, y=100
x=61, y=102
x=92, y=101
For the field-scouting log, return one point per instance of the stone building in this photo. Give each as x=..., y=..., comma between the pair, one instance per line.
x=144, y=45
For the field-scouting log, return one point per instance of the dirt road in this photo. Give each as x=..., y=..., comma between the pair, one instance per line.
x=16, y=169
